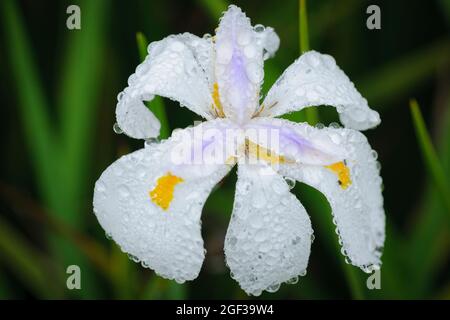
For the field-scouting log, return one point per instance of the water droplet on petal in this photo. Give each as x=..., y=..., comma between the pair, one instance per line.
x=133, y=258
x=273, y=288
x=290, y=182
x=320, y=125
x=259, y=28
x=374, y=154
x=293, y=280
x=296, y=240
x=335, y=125
x=117, y=129
x=148, y=142
x=378, y=164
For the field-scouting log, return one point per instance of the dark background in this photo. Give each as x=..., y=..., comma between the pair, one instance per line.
x=58, y=92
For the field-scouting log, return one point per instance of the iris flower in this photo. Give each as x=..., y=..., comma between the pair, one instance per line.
x=150, y=201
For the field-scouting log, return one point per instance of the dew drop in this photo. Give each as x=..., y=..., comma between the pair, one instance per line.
x=273, y=288
x=296, y=240
x=320, y=125
x=133, y=258
x=290, y=182
x=292, y=280
x=378, y=164
x=259, y=28
x=257, y=293
x=150, y=141
x=117, y=129
x=108, y=236
x=335, y=125
x=374, y=154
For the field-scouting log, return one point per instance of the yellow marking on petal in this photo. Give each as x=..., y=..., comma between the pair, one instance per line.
x=162, y=194
x=217, y=104
x=231, y=160
x=261, y=153
x=342, y=172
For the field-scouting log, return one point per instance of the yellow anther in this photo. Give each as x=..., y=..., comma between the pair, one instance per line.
x=342, y=172
x=162, y=194
x=217, y=104
x=261, y=153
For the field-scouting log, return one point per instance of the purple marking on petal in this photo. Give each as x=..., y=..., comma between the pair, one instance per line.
x=206, y=143
x=293, y=145
x=239, y=83
x=238, y=87
x=292, y=136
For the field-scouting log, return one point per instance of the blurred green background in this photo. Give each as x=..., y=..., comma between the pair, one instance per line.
x=58, y=91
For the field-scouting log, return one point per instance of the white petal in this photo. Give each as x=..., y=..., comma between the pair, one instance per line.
x=315, y=79
x=358, y=209
x=203, y=50
x=269, y=41
x=297, y=142
x=166, y=240
x=269, y=237
x=136, y=120
x=239, y=64
x=172, y=70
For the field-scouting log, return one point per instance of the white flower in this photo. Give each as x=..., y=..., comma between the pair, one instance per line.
x=151, y=204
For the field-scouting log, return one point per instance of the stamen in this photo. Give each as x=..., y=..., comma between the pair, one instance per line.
x=257, y=113
x=342, y=172
x=162, y=194
x=218, y=109
x=262, y=153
